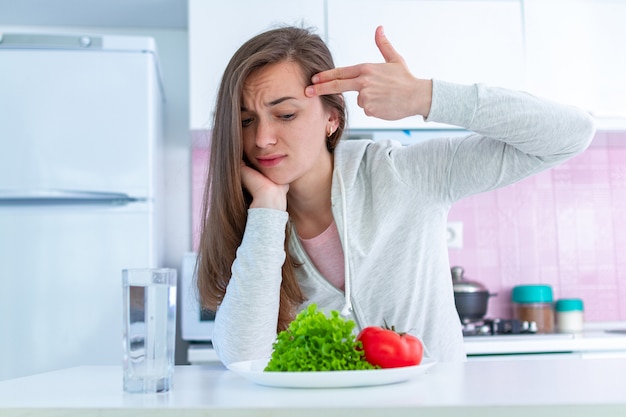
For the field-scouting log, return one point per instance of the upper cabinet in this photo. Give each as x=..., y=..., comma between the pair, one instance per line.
x=217, y=29
x=576, y=54
x=453, y=40
x=569, y=50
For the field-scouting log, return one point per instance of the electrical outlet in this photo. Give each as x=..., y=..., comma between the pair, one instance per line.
x=454, y=234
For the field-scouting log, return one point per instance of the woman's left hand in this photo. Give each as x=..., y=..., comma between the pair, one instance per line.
x=388, y=91
x=265, y=193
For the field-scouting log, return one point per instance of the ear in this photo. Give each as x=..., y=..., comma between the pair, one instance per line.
x=333, y=120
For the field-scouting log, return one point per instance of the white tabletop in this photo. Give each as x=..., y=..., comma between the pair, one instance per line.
x=580, y=387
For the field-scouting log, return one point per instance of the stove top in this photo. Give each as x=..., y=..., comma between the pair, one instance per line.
x=492, y=327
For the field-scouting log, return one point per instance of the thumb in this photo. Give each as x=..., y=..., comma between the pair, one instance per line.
x=385, y=48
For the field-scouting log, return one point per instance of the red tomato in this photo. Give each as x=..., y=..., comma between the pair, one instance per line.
x=390, y=349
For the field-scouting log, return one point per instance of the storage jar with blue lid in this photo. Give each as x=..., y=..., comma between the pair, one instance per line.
x=533, y=304
x=569, y=315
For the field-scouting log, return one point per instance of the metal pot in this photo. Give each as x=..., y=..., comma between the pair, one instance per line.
x=470, y=297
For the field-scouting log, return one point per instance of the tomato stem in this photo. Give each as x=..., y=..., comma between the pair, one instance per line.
x=392, y=328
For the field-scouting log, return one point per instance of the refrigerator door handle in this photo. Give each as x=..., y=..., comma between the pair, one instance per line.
x=48, y=41
x=64, y=197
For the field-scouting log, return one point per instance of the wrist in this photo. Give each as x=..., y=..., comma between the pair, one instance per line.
x=424, y=97
x=273, y=201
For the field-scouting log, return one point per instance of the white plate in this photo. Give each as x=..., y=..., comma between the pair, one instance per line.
x=253, y=370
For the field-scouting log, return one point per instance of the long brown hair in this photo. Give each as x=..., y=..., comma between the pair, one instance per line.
x=226, y=203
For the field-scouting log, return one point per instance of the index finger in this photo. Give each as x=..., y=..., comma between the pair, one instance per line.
x=340, y=73
x=334, y=81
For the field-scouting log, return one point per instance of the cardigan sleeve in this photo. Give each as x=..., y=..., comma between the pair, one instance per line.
x=512, y=135
x=247, y=318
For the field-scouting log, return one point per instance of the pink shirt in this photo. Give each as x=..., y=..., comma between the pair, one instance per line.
x=327, y=255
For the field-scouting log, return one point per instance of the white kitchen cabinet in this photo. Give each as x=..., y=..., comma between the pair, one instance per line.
x=453, y=40
x=218, y=29
x=576, y=53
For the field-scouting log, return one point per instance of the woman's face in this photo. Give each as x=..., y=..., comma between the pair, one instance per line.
x=284, y=132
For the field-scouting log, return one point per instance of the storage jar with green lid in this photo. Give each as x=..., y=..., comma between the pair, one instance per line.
x=533, y=304
x=569, y=315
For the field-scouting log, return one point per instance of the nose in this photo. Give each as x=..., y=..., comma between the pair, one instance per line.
x=265, y=134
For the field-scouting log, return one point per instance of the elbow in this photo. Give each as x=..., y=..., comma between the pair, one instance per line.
x=220, y=356
x=575, y=133
x=582, y=133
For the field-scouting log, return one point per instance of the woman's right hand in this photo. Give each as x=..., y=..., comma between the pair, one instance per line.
x=265, y=193
x=387, y=91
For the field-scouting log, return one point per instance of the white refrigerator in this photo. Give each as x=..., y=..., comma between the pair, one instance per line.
x=80, y=193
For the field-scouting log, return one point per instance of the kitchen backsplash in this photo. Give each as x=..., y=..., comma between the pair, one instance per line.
x=565, y=227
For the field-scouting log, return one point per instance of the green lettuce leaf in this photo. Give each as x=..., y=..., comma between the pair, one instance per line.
x=316, y=342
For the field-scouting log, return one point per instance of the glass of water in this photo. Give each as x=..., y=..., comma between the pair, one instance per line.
x=149, y=329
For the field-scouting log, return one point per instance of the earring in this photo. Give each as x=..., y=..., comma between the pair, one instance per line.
x=330, y=132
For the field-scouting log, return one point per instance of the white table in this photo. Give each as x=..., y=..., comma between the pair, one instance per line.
x=582, y=387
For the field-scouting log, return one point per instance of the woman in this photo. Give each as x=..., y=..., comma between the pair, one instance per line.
x=294, y=216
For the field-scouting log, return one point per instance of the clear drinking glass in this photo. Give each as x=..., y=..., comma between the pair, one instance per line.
x=149, y=329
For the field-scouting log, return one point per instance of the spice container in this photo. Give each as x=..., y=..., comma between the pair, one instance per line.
x=569, y=315
x=534, y=304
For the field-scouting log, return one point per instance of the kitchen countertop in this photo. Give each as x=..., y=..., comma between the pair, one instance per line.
x=595, y=341
x=589, y=342
x=580, y=387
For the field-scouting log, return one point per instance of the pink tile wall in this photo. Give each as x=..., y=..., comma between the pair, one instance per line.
x=199, y=164
x=565, y=227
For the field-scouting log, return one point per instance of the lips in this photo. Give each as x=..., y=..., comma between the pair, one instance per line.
x=270, y=160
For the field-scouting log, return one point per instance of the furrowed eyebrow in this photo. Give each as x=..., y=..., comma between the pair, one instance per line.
x=272, y=103
x=280, y=100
